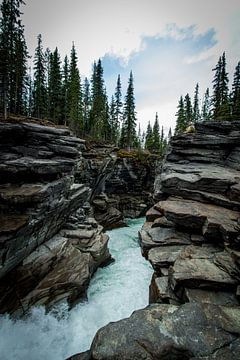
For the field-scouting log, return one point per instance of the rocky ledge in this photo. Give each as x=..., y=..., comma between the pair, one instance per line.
x=50, y=245
x=121, y=182
x=192, y=239
x=192, y=235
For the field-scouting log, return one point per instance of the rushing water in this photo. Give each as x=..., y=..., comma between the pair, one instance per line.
x=115, y=292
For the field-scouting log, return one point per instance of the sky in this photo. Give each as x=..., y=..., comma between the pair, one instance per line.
x=170, y=45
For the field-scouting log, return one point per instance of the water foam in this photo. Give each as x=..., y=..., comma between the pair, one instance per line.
x=115, y=292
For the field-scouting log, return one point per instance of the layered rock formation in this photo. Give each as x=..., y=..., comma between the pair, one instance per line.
x=49, y=243
x=192, y=239
x=192, y=235
x=122, y=184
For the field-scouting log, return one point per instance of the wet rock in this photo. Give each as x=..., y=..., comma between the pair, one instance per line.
x=169, y=332
x=49, y=245
x=82, y=356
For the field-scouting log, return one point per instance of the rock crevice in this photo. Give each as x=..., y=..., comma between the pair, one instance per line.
x=49, y=243
x=192, y=239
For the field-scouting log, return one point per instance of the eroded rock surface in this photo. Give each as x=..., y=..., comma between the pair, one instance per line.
x=198, y=190
x=192, y=239
x=49, y=244
x=191, y=331
x=121, y=186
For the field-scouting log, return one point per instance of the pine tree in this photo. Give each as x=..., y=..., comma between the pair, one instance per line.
x=47, y=61
x=220, y=98
x=98, y=120
x=39, y=86
x=75, y=96
x=216, y=98
x=13, y=58
x=163, y=142
x=225, y=104
x=86, y=104
x=156, y=135
x=29, y=100
x=118, y=102
x=181, y=119
x=106, y=129
x=206, y=112
x=55, y=88
x=169, y=135
x=143, y=140
x=235, y=98
x=139, y=137
x=196, y=111
x=149, y=138
x=188, y=111
x=128, y=133
x=65, y=90
x=113, y=121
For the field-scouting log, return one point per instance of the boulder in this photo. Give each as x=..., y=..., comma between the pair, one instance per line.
x=193, y=330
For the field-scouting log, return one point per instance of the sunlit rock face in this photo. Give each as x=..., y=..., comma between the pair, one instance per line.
x=50, y=245
x=192, y=235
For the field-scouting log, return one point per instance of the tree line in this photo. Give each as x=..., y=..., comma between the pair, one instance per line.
x=221, y=105
x=155, y=139
x=55, y=90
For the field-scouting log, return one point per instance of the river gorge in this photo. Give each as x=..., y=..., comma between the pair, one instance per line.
x=57, y=199
x=114, y=293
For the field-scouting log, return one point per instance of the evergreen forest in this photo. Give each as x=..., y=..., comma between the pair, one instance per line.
x=54, y=90
x=222, y=104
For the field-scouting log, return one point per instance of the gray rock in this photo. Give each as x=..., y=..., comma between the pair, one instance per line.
x=156, y=236
x=164, y=256
x=196, y=268
x=38, y=196
x=210, y=220
x=211, y=297
x=169, y=332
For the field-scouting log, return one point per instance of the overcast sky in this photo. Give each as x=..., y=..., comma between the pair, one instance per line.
x=168, y=44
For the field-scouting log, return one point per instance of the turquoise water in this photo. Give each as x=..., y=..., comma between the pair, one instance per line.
x=114, y=293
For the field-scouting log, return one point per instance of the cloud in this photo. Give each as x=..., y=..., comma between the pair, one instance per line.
x=169, y=45
x=164, y=69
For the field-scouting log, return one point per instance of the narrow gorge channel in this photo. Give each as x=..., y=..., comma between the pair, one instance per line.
x=114, y=293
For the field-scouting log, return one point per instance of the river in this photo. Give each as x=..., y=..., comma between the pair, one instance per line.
x=114, y=293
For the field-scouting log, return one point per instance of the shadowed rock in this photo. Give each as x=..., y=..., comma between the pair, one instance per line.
x=190, y=331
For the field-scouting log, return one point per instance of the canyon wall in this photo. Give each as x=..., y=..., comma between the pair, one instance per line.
x=192, y=239
x=121, y=182
x=50, y=244
x=57, y=195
